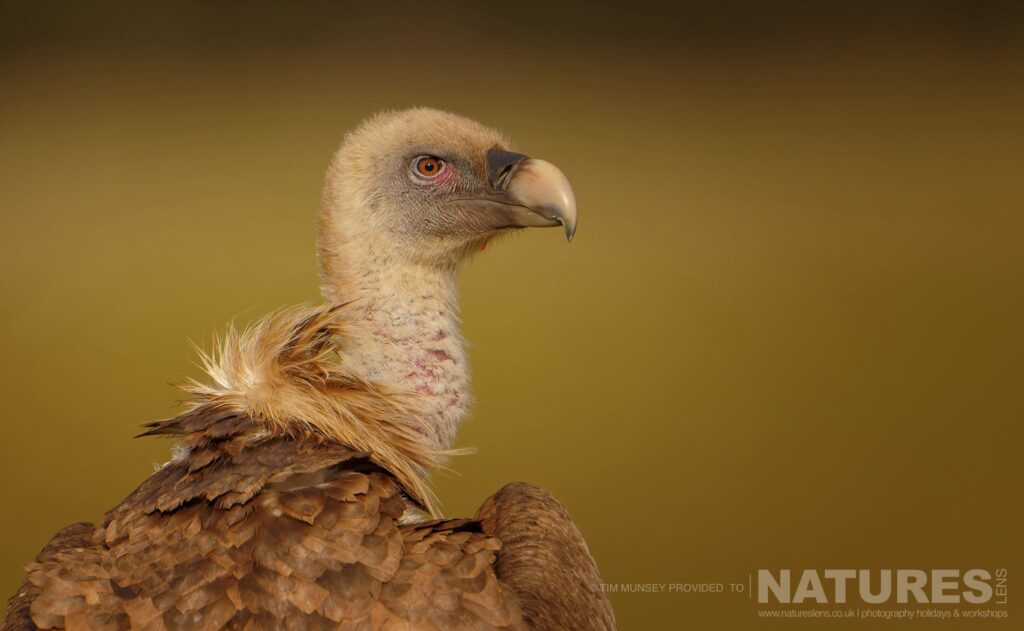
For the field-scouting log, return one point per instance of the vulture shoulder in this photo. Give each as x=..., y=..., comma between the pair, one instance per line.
x=545, y=560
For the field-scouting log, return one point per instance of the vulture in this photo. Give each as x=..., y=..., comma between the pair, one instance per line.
x=298, y=493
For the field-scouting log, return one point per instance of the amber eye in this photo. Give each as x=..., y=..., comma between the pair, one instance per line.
x=429, y=166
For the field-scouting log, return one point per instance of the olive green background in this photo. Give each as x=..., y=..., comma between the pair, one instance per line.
x=787, y=335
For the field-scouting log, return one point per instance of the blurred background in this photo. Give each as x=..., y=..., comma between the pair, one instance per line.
x=797, y=287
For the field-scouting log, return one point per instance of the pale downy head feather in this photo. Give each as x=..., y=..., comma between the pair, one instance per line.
x=284, y=373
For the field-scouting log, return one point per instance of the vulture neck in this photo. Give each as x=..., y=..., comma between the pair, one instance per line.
x=404, y=332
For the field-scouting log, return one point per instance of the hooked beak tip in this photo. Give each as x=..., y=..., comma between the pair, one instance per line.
x=542, y=188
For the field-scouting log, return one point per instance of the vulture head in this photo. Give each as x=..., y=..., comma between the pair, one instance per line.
x=427, y=187
x=408, y=197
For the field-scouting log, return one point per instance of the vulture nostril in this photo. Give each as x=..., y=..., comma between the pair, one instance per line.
x=503, y=177
x=500, y=167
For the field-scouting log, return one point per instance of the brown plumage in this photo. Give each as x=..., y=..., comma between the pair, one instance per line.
x=293, y=502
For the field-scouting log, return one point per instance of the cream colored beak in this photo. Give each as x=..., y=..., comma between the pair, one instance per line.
x=542, y=196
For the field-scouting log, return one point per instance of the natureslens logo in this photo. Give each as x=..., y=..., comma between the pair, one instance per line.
x=875, y=587
x=968, y=595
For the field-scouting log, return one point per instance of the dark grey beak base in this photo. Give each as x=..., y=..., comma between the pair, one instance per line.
x=500, y=167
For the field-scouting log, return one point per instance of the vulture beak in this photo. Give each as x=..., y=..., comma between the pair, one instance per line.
x=525, y=192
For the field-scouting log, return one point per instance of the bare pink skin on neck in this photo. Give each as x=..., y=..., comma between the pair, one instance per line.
x=405, y=333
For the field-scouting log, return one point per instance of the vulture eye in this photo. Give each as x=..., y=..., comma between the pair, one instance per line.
x=428, y=166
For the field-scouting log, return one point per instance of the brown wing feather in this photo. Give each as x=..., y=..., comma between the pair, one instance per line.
x=249, y=531
x=545, y=560
x=18, y=616
x=447, y=580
